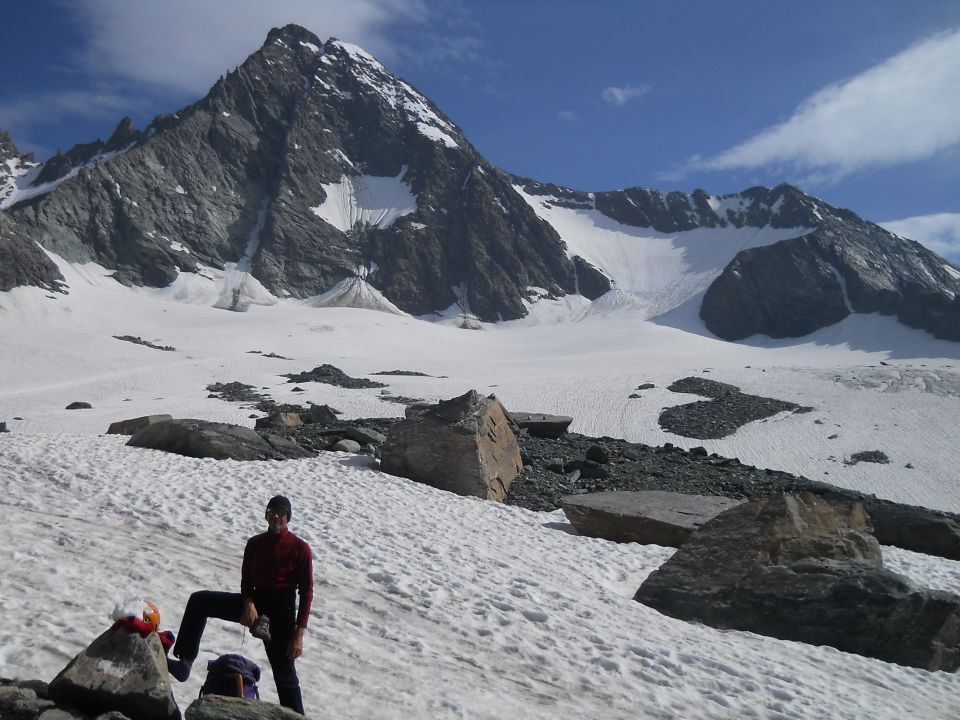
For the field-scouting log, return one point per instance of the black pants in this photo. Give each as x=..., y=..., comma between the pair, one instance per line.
x=278, y=605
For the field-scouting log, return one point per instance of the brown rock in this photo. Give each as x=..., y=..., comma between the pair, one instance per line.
x=280, y=419
x=804, y=567
x=464, y=445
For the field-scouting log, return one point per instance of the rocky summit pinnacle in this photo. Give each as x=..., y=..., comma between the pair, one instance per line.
x=310, y=164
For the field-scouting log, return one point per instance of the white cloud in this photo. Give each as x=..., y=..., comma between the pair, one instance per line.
x=939, y=232
x=620, y=96
x=186, y=44
x=567, y=116
x=904, y=109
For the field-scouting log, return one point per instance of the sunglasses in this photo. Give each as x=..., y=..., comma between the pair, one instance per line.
x=275, y=513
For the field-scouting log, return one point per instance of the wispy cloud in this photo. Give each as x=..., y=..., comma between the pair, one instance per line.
x=620, y=96
x=939, y=232
x=185, y=45
x=567, y=116
x=904, y=109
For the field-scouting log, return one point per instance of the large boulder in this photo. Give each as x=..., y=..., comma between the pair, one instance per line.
x=119, y=671
x=220, y=707
x=804, y=567
x=129, y=427
x=651, y=517
x=541, y=425
x=221, y=441
x=322, y=414
x=464, y=445
x=914, y=528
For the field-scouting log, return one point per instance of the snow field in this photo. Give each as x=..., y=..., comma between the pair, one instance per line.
x=426, y=604
x=430, y=605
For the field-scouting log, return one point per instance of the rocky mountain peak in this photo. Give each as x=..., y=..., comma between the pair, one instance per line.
x=292, y=34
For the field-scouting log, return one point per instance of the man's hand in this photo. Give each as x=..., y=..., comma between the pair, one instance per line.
x=249, y=615
x=295, y=647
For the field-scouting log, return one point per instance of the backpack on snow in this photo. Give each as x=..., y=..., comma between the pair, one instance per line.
x=232, y=675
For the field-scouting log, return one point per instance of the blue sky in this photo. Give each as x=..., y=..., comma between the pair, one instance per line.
x=854, y=101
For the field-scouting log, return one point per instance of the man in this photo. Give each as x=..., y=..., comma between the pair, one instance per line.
x=275, y=565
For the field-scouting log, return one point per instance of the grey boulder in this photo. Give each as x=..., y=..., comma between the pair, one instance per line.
x=322, y=414
x=119, y=671
x=221, y=441
x=651, y=517
x=220, y=707
x=129, y=427
x=346, y=445
x=541, y=425
x=915, y=528
x=806, y=568
x=464, y=445
x=365, y=436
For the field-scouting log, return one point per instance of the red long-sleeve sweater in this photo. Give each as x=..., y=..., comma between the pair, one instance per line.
x=280, y=561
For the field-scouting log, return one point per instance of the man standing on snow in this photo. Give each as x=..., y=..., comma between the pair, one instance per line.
x=276, y=564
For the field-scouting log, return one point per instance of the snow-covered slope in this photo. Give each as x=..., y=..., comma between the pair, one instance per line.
x=660, y=270
x=427, y=604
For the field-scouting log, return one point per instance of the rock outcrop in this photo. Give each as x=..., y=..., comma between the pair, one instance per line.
x=800, y=567
x=131, y=426
x=22, y=260
x=845, y=265
x=654, y=517
x=464, y=445
x=221, y=441
x=727, y=411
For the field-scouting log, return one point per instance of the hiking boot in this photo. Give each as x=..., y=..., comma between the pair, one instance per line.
x=261, y=628
x=180, y=669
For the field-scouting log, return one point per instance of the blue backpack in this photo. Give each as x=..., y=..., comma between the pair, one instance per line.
x=232, y=675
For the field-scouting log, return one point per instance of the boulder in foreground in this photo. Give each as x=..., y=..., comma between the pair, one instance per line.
x=119, y=671
x=221, y=441
x=220, y=707
x=805, y=568
x=464, y=445
x=650, y=517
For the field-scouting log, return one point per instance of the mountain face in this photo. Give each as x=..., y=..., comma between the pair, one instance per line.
x=310, y=167
x=835, y=265
x=284, y=168
x=846, y=265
